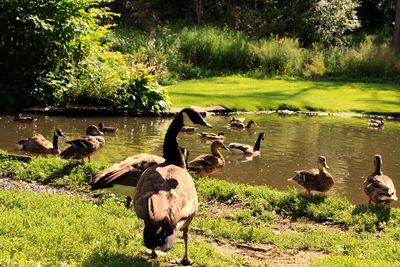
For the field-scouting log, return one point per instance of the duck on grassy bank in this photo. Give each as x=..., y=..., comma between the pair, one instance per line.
x=315, y=179
x=84, y=146
x=378, y=187
x=166, y=198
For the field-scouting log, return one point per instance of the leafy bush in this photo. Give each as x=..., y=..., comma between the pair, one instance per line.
x=39, y=37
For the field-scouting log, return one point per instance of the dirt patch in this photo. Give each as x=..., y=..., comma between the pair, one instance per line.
x=219, y=209
x=7, y=183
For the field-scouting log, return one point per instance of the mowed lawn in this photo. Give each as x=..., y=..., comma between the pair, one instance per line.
x=249, y=94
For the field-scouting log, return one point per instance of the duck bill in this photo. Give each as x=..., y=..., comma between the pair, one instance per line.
x=226, y=148
x=326, y=166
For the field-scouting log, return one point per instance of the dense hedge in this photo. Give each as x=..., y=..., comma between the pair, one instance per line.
x=52, y=53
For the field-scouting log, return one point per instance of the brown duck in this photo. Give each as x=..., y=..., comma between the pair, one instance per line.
x=315, y=179
x=239, y=124
x=166, y=198
x=105, y=129
x=84, y=146
x=38, y=144
x=379, y=187
x=20, y=118
x=205, y=165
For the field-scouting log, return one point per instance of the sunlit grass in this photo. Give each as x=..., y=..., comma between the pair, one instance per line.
x=241, y=93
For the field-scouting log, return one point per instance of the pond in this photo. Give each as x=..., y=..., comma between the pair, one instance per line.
x=291, y=143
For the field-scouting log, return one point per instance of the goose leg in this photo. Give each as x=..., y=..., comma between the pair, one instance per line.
x=128, y=202
x=369, y=202
x=185, y=261
x=153, y=254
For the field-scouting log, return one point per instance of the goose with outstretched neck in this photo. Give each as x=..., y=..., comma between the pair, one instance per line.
x=166, y=198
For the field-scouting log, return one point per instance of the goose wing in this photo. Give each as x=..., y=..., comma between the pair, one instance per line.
x=126, y=171
x=240, y=147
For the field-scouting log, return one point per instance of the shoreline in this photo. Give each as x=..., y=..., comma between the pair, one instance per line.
x=211, y=110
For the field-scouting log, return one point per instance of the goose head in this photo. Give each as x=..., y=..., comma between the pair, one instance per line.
x=58, y=133
x=190, y=116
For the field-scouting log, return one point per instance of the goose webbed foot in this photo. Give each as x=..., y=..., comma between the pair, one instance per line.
x=186, y=261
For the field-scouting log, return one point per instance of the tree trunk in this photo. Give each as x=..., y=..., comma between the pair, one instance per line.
x=396, y=34
x=199, y=11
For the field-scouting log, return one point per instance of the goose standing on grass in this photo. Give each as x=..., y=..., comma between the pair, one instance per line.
x=84, y=146
x=205, y=165
x=315, y=179
x=20, y=118
x=237, y=148
x=241, y=125
x=122, y=178
x=104, y=129
x=166, y=198
x=38, y=144
x=379, y=187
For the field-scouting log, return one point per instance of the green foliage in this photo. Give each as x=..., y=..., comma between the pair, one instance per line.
x=40, y=37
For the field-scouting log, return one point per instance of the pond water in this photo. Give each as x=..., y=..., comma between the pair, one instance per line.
x=291, y=143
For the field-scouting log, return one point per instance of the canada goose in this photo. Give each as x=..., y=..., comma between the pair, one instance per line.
x=237, y=148
x=205, y=165
x=20, y=118
x=238, y=124
x=104, y=129
x=379, y=187
x=84, y=146
x=376, y=123
x=166, y=198
x=38, y=144
x=315, y=179
x=121, y=178
x=212, y=136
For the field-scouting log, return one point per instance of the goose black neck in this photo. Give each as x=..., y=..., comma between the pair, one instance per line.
x=55, y=141
x=172, y=153
x=378, y=167
x=257, y=145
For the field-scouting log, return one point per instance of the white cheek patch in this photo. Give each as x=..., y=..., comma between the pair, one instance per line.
x=186, y=119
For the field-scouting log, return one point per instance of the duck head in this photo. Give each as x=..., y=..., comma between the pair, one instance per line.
x=322, y=162
x=93, y=130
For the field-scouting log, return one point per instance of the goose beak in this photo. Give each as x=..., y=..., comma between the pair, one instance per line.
x=206, y=124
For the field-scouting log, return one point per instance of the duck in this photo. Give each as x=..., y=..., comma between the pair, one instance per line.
x=39, y=144
x=166, y=198
x=315, y=179
x=122, y=177
x=241, y=125
x=84, y=146
x=233, y=119
x=188, y=129
x=378, y=187
x=20, y=118
x=104, y=129
x=376, y=123
x=212, y=136
x=205, y=165
x=237, y=148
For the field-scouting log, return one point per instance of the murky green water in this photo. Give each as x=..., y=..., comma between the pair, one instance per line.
x=291, y=143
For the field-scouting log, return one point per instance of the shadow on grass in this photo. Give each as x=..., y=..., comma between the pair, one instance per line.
x=117, y=260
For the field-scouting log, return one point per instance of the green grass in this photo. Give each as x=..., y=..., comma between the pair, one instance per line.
x=248, y=94
x=54, y=230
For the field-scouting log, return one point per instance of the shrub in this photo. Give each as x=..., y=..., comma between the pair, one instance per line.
x=39, y=37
